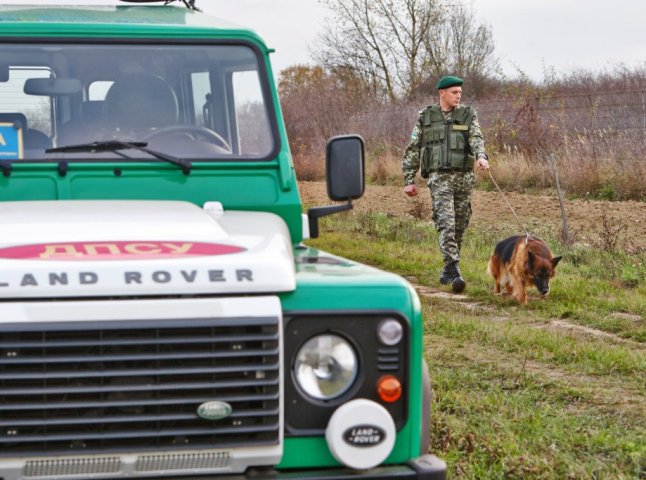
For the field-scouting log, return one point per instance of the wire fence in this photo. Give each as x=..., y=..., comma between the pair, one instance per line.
x=618, y=111
x=527, y=123
x=597, y=139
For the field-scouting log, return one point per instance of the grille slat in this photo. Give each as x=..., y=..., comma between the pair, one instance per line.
x=143, y=434
x=115, y=386
x=129, y=373
x=137, y=341
x=196, y=401
x=118, y=388
x=125, y=358
x=98, y=420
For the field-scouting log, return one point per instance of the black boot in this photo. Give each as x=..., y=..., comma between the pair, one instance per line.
x=445, y=276
x=457, y=284
x=451, y=276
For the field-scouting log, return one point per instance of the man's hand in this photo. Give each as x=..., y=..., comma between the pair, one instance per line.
x=411, y=190
x=482, y=163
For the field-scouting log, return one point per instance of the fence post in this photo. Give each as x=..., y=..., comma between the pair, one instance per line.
x=566, y=231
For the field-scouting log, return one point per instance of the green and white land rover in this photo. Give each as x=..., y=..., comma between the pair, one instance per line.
x=160, y=313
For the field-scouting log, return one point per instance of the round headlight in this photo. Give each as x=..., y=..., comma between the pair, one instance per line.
x=326, y=366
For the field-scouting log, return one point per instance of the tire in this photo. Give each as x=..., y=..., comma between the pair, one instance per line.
x=425, y=440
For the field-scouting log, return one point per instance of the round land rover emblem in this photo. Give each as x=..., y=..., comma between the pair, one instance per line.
x=364, y=436
x=214, y=410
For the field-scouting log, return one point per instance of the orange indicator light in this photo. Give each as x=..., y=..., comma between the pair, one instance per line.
x=389, y=388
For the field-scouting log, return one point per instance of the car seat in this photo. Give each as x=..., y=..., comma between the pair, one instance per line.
x=137, y=104
x=85, y=127
x=32, y=139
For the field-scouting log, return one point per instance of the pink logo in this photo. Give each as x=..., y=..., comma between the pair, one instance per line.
x=133, y=250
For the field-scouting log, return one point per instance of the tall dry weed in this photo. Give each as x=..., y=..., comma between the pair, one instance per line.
x=606, y=165
x=309, y=168
x=420, y=209
x=513, y=170
x=595, y=126
x=613, y=234
x=385, y=169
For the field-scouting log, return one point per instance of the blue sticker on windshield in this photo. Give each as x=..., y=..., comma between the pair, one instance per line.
x=10, y=141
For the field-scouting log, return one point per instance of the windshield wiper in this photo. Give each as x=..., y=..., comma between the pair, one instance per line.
x=115, y=145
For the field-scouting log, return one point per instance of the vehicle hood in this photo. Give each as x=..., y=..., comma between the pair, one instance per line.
x=132, y=248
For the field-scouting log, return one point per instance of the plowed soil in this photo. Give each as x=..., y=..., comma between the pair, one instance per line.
x=589, y=222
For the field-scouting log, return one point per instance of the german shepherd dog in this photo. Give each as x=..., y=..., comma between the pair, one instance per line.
x=520, y=261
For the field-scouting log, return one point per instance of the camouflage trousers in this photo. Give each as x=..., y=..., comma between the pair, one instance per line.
x=451, y=203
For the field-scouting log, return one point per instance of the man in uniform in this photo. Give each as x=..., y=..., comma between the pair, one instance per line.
x=446, y=143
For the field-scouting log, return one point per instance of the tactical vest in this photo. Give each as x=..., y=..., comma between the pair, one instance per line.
x=445, y=143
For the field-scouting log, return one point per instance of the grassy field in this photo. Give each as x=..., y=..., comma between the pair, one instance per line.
x=553, y=390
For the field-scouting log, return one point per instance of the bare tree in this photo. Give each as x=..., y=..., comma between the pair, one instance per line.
x=317, y=104
x=381, y=40
x=396, y=46
x=461, y=46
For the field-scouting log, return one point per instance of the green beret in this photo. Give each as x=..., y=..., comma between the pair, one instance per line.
x=450, y=81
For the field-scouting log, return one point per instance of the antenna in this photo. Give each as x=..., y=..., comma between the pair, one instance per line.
x=190, y=4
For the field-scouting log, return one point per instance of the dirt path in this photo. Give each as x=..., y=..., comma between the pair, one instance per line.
x=609, y=392
x=589, y=221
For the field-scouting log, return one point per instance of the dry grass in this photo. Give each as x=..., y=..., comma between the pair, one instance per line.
x=384, y=169
x=553, y=390
x=380, y=169
x=610, y=176
x=592, y=124
x=309, y=168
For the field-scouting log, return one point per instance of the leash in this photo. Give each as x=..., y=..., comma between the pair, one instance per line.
x=527, y=235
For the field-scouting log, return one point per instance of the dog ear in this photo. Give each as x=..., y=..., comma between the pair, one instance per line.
x=530, y=259
x=556, y=260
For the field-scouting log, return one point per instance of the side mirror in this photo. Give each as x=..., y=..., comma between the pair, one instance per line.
x=344, y=175
x=344, y=164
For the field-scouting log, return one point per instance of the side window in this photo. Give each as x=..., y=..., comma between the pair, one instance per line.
x=37, y=109
x=98, y=90
x=251, y=114
x=247, y=125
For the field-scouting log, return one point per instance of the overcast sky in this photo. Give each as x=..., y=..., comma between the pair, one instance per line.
x=532, y=36
x=536, y=37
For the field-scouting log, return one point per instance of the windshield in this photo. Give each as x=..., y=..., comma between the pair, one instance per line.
x=197, y=102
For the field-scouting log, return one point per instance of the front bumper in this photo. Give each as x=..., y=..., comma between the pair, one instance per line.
x=426, y=467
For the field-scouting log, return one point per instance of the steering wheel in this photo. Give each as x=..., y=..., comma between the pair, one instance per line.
x=192, y=130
